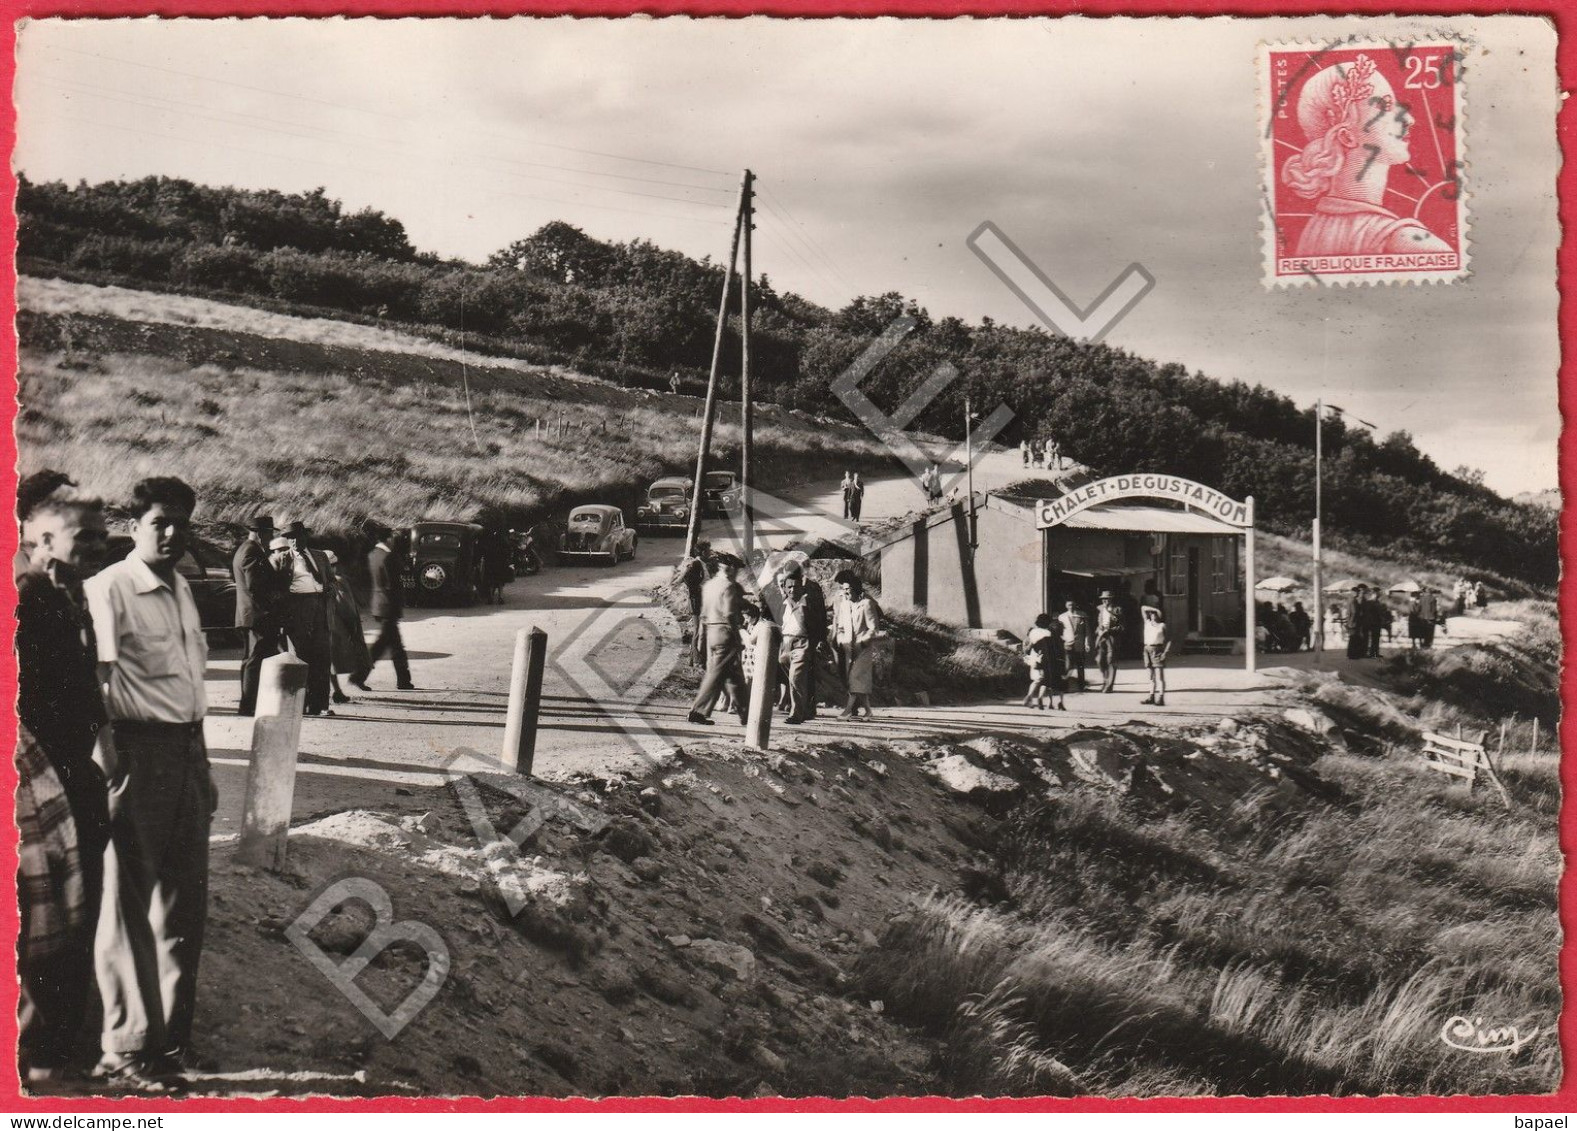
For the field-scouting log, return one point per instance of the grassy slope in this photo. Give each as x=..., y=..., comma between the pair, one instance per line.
x=333, y=424
x=1131, y=951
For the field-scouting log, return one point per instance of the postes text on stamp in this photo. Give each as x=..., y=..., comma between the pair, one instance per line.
x=1363, y=163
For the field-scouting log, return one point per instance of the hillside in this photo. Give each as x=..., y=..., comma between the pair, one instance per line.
x=335, y=423
x=635, y=314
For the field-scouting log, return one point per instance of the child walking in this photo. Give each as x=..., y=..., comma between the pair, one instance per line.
x=1043, y=654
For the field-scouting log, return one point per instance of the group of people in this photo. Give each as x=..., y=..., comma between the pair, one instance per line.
x=1468, y=592
x=1041, y=453
x=291, y=595
x=1057, y=649
x=853, y=495
x=114, y=796
x=823, y=653
x=931, y=484
x=1282, y=629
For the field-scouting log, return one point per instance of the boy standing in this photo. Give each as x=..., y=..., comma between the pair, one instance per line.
x=1156, y=647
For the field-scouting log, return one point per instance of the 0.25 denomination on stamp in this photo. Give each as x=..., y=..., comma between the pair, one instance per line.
x=1363, y=162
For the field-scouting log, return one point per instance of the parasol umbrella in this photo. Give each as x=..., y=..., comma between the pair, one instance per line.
x=1278, y=585
x=1408, y=586
x=1346, y=586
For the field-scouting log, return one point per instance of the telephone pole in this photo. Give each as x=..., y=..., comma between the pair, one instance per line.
x=746, y=408
x=1319, y=580
x=697, y=496
x=969, y=470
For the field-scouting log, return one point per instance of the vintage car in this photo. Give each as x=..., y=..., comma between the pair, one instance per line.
x=721, y=494
x=597, y=531
x=443, y=563
x=667, y=506
x=208, y=574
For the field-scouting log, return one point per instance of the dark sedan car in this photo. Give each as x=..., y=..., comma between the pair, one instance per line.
x=443, y=563
x=207, y=571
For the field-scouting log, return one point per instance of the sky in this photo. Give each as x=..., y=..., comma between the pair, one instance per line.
x=879, y=145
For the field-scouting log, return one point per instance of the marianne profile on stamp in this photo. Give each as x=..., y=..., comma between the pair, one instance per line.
x=1356, y=134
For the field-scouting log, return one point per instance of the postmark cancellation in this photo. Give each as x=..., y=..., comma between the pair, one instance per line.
x=1362, y=162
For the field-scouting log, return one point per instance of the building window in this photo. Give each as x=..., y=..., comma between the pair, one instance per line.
x=1176, y=567
x=1224, y=565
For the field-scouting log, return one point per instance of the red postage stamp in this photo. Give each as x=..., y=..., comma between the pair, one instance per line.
x=1363, y=163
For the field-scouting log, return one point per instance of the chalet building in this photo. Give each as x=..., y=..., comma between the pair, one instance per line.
x=1133, y=534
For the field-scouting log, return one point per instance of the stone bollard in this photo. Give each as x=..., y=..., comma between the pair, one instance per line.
x=271, y=774
x=525, y=700
x=763, y=686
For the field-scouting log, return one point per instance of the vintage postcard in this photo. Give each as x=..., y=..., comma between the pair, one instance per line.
x=756, y=560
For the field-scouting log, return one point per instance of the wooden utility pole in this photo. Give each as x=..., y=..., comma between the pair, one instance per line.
x=969, y=472
x=697, y=498
x=746, y=409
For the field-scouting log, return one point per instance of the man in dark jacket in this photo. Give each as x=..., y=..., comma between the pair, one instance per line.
x=59, y=702
x=304, y=572
x=258, y=597
x=386, y=563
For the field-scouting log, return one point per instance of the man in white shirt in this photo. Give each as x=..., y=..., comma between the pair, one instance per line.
x=305, y=572
x=804, y=618
x=1075, y=639
x=152, y=658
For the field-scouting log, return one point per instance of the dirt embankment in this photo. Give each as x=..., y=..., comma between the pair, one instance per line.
x=712, y=928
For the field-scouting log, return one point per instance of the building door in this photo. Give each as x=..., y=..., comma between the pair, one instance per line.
x=1195, y=604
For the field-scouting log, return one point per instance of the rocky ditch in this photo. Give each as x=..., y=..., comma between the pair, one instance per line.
x=697, y=930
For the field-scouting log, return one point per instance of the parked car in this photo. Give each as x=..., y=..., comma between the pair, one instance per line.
x=207, y=571
x=597, y=530
x=721, y=495
x=667, y=506
x=443, y=563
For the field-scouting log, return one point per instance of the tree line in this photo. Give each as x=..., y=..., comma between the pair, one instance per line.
x=637, y=313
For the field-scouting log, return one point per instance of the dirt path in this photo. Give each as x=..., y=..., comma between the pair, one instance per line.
x=607, y=650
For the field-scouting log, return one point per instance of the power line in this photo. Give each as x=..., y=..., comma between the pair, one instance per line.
x=784, y=245
x=378, y=113
x=777, y=204
x=387, y=145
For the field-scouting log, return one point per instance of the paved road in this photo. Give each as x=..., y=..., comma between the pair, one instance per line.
x=608, y=647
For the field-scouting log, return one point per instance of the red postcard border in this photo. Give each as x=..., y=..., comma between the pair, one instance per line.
x=1564, y=18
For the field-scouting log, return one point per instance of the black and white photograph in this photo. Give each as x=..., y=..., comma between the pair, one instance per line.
x=768, y=558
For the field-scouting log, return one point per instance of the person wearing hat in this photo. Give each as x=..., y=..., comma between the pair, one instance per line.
x=304, y=573
x=1358, y=624
x=722, y=604
x=259, y=596
x=1108, y=632
x=1075, y=639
